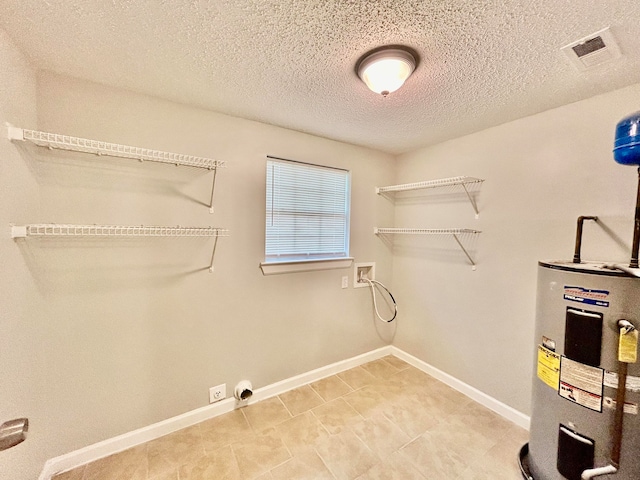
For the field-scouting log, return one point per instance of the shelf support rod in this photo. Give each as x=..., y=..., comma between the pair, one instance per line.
x=213, y=253
x=473, y=202
x=213, y=187
x=473, y=264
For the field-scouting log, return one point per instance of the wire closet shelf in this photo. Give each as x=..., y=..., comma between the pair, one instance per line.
x=425, y=231
x=65, y=230
x=441, y=182
x=98, y=147
x=454, y=232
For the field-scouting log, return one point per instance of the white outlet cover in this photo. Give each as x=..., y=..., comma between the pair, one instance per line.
x=218, y=393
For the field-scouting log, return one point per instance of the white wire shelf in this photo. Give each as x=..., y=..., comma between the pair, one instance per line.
x=97, y=147
x=66, y=230
x=63, y=230
x=424, y=231
x=454, y=232
x=442, y=182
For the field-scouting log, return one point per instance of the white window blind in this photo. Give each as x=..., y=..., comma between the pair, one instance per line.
x=307, y=210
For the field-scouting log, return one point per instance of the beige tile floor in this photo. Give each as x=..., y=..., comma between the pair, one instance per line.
x=384, y=420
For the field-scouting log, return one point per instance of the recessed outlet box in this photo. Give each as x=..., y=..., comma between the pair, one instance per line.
x=361, y=271
x=218, y=393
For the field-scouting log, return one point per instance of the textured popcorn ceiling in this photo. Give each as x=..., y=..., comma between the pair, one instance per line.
x=291, y=62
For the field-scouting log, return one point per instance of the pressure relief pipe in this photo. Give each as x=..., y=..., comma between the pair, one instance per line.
x=627, y=352
x=597, y=472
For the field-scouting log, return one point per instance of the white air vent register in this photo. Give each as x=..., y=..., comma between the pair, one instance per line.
x=588, y=52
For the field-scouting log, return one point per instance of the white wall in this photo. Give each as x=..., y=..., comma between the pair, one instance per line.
x=21, y=365
x=541, y=173
x=118, y=334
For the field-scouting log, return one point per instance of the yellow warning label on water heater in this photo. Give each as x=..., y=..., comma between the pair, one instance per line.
x=628, y=347
x=549, y=367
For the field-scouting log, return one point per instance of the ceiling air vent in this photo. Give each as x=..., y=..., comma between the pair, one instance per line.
x=593, y=50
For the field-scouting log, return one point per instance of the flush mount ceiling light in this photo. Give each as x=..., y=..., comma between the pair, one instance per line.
x=385, y=69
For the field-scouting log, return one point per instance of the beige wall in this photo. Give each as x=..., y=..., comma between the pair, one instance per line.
x=21, y=382
x=116, y=334
x=541, y=173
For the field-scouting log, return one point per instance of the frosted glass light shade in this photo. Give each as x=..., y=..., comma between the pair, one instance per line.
x=385, y=71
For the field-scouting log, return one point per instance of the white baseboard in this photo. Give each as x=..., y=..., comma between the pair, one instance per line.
x=482, y=398
x=318, y=374
x=117, y=444
x=131, y=439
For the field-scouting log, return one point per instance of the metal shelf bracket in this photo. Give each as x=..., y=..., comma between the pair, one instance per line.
x=454, y=232
x=213, y=187
x=442, y=182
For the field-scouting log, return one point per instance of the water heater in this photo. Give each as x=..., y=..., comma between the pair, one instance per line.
x=582, y=315
x=585, y=418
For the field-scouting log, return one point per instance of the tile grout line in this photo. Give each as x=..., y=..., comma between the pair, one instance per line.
x=286, y=408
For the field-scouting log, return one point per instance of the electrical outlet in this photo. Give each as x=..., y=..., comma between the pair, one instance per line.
x=345, y=282
x=217, y=393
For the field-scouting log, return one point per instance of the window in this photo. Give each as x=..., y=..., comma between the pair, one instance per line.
x=307, y=213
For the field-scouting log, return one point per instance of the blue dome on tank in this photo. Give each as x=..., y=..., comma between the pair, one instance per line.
x=626, y=148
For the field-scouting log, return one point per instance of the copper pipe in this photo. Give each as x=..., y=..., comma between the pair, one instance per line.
x=618, y=417
x=619, y=414
x=581, y=219
x=624, y=327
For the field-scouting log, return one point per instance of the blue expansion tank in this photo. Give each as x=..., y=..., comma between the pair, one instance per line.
x=627, y=143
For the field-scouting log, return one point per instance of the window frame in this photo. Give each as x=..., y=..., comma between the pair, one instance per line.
x=297, y=262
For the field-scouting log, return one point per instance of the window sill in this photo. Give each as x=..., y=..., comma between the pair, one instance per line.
x=275, y=268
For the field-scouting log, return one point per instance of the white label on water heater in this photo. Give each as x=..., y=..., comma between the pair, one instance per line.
x=587, y=296
x=549, y=344
x=611, y=380
x=581, y=384
x=629, y=407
